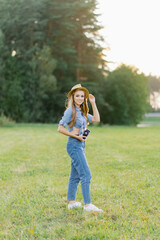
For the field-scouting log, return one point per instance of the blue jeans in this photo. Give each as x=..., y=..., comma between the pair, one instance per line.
x=79, y=170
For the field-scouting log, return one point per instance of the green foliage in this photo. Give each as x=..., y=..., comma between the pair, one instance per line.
x=11, y=90
x=56, y=44
x=46, y=64
x=126, y=95
x=5, y=121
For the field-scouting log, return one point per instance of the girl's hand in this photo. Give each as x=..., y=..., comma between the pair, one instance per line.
x=81, y=138
x=91, y=98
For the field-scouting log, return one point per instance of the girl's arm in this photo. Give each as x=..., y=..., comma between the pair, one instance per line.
x=96, y=116
x=64, y=131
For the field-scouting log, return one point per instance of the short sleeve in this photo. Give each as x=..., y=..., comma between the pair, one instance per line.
x=66, y=117
x=89, y=117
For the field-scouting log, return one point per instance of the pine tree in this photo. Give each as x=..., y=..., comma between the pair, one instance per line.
x=68, y=30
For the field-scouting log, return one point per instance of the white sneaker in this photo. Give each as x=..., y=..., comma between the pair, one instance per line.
x=74, y=205
x=93, y=208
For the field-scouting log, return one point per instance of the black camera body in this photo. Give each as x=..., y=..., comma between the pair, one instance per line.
x=86, y=132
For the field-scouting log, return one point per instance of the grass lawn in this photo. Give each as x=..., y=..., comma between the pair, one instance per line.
x=34, y=172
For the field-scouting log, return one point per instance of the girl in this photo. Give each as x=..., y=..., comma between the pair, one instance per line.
x=76, y=118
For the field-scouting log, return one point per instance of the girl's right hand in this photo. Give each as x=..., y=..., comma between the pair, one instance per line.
x=81, y=138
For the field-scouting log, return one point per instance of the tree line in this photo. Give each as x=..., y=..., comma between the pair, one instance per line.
x=46, y=47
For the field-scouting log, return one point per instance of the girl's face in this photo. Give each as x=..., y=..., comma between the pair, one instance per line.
x=79, y=97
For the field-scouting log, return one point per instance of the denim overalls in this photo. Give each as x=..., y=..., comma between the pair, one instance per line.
x=76, y=150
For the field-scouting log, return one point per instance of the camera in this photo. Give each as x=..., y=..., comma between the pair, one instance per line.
x=86, y=132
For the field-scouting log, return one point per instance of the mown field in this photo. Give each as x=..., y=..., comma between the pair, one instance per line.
x=34, y=172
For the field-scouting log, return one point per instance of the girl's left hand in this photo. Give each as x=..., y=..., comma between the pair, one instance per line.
x=91, y=98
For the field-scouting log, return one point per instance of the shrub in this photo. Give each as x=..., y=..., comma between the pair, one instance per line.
x=6, y=121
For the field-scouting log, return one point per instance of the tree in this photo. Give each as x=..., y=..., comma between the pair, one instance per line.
x=76, y=47
x=126, y=95
x=65, y=33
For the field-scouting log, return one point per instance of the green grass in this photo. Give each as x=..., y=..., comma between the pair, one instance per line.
x=34, y=172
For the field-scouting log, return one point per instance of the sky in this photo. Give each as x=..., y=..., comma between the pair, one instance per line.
x=132, y=33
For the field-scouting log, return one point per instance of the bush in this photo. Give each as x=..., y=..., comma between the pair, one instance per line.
x=5, y=121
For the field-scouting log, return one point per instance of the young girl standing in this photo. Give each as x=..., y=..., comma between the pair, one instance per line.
x=76, y=117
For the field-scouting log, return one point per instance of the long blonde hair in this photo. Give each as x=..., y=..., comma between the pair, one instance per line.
x=84, y=108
